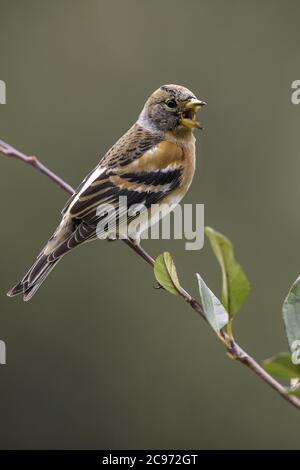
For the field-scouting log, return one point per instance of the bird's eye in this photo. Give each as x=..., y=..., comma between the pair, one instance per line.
x=171, y=104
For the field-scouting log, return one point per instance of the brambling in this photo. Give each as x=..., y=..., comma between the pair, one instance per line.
x=153, y=163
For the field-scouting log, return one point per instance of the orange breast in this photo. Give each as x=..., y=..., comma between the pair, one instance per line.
x=168, y=154
x=157, y=158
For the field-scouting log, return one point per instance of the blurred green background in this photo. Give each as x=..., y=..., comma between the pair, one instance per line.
x=98, y=359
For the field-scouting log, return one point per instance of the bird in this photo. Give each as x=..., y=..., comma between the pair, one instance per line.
x=151, y=165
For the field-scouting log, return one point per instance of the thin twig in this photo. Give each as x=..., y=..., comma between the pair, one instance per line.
x=10, y=151
x=234, y=350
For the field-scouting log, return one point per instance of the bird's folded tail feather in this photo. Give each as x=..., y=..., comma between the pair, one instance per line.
x=34, y=278
x=44, y=263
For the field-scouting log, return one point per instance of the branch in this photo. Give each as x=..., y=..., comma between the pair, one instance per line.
x=10, y=151
x=234, y=350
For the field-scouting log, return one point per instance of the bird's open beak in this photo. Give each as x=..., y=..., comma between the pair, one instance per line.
x=189, y=113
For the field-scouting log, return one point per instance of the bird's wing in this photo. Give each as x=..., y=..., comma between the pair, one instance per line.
x=133, y=144
x=145, y=179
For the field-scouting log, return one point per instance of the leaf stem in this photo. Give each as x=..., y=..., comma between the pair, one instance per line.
x=229, y=329
x=233, y=348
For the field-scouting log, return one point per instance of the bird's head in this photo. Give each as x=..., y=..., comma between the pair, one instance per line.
x=171, y=108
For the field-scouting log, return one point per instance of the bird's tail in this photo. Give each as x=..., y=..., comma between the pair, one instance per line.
x=54, y=250
x=34, y=278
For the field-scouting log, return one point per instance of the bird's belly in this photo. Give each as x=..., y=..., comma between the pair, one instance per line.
x=149, y=217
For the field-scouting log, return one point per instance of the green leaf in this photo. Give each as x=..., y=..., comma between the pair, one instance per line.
x=296, y=393
x=166, y=274
x=235, y=285
x=214, y=311
x=291, y=315
x=282, y=366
